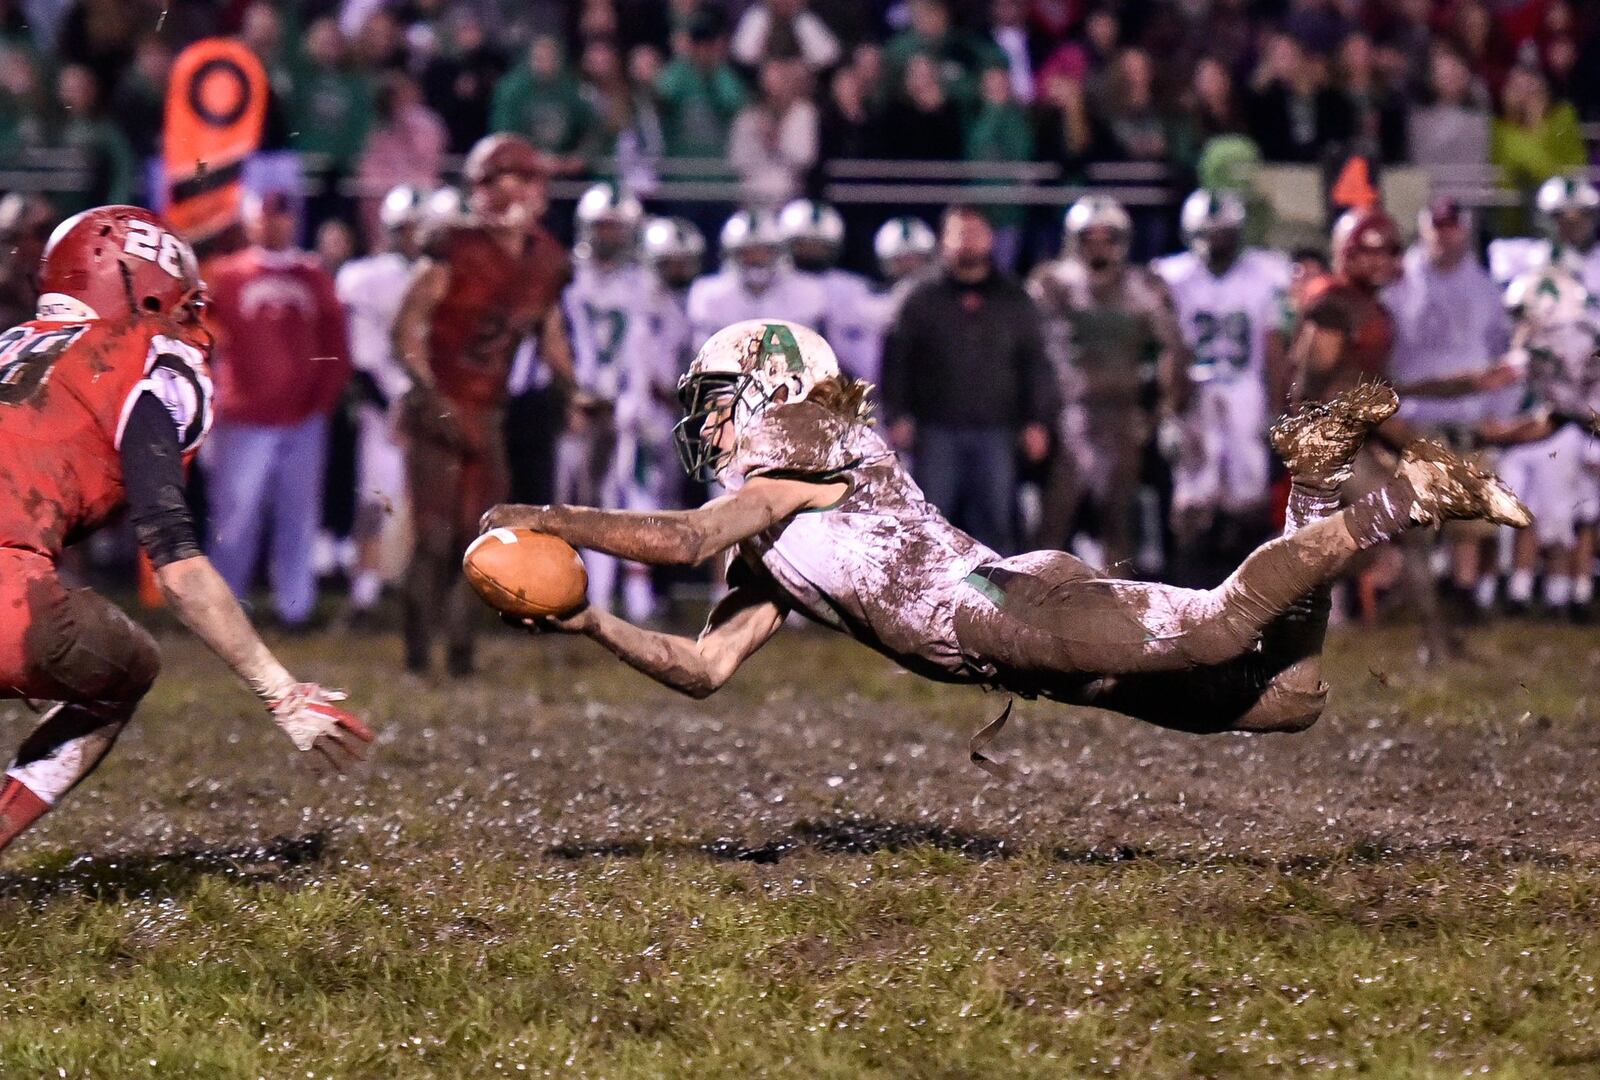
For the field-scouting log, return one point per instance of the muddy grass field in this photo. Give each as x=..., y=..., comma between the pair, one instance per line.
x=561, y=870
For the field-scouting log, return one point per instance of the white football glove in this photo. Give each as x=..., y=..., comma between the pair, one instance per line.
x=308, y=716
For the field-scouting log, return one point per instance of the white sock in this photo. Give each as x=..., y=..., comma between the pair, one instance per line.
x=1483, y=595
x=1582, y=589
x=1519, y=586
x=364, y=590
x=1557, y=590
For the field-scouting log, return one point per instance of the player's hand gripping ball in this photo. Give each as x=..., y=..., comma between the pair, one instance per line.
x=525, y=573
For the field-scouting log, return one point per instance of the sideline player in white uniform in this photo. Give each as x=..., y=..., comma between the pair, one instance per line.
x=1112, y=335
x=1230, y=301
x=755, y=281
x=822, y=519
x=370, y=289
x=606, y=309
x=1569, y=212
x=647, y=411
x=857, y=316
x=905, y=247
x=1550, y=461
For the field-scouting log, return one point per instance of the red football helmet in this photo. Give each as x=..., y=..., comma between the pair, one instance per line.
x=507, y=176
x=114, y=262
x=1367, y=246
x=503, y=153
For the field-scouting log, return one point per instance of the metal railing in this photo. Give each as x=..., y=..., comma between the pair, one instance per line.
x=860, y=181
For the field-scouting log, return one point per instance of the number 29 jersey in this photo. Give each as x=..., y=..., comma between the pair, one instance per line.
x=66, y=390
x=1226, y=319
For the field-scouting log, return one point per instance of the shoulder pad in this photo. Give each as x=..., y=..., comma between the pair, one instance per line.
x=802, y=440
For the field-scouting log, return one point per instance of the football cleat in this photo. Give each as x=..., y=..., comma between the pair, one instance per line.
x=1319, y=441
x=1449, y=488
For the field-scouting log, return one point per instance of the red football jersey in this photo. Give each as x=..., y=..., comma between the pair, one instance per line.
x=1366, y=325
x=493, y=302
x=66, y=389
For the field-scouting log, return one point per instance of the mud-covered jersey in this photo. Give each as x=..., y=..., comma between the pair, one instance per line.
x=1513, y=255
x=855, y=319
x=1562, y=371
x=721, y=299
x=1104, y=347
x=1226, y=319
x=492, y=302
x=882, y=565
x=66, y=391
x=371, y=290
x=605, y=308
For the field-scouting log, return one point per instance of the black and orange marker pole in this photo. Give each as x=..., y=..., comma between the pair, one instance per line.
x=216, y=103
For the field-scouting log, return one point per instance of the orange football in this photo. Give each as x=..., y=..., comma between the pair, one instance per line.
x=526, y=573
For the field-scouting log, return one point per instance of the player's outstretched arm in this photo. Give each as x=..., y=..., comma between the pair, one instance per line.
x=205, y=604
x=152, y=474
x=741, y=623
x=672, y=537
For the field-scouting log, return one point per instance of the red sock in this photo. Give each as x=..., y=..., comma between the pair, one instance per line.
x=19, y=808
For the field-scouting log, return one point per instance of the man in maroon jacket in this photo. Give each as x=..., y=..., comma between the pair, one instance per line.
x=282, y=361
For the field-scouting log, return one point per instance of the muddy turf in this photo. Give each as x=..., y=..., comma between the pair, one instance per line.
x=562, y=870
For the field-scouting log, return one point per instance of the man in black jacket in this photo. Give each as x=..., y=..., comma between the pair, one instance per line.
x=966, y=383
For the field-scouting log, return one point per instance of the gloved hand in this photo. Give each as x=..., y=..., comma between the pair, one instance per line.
x=308, y=716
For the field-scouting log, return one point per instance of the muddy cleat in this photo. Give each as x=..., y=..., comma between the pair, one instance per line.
x=1319, y=441
x=1448, y=488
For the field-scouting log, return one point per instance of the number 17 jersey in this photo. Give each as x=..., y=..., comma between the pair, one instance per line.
x=66, y=390
x=1226, y=319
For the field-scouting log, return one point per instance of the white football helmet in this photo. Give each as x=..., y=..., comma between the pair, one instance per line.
x=813, y=232
x=1560, y=194
x=1096, y=212
x=672, y=238
x=445, y=202
x=1568, y=207
x=673, y=249
x=900, y=238
x=753, y=242
x=1546, y=297
x=737, y=374
x=1205, y=212
x=403, y=205
x=605, y=204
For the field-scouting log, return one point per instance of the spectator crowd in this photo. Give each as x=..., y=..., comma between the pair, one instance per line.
x=1050, y=384
x=377, y=93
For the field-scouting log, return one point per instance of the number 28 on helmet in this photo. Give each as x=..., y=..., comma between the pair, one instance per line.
x=117, y=262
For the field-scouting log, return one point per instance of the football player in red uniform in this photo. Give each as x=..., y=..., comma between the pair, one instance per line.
x=103, y=398
x=485, y=283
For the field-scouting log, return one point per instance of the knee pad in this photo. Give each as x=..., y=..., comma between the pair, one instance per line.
x=100, y=656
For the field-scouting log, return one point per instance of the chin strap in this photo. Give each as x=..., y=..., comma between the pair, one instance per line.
x=982, y=738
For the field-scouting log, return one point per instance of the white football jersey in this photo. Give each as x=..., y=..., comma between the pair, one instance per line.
x=1226, y=319
x=856, y=319
x=648, y=405
x=1514, y=254
x=606, y=310
x=371, y=290
x=720, y=299
x=883, y=565
x=1563, y=373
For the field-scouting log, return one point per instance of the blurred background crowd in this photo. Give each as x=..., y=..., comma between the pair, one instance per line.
x=966, y=196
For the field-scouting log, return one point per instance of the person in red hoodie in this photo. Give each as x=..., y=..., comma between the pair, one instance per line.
x=282, y=362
